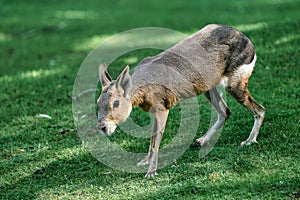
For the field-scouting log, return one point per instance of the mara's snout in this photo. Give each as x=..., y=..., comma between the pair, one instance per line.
x=106, y=127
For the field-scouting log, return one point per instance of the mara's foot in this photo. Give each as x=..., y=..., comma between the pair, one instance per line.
x=248, y=142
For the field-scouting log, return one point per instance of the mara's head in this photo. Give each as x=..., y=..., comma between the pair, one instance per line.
x=114, y=105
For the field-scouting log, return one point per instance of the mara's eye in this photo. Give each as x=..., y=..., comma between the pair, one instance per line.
x=116, y=104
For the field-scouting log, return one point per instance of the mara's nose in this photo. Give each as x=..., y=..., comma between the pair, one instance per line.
x=101, y=127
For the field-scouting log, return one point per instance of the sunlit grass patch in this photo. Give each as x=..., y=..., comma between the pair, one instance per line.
x=287, y=38
x=251, y=27
x=4, y=37
x=90, y=43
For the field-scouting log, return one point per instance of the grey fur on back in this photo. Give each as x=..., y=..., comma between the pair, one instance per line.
x=197, y=63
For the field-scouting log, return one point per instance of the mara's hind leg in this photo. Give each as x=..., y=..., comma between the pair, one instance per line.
x=238, y=89
x=223, y=113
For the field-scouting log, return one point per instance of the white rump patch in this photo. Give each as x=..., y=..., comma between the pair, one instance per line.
x=246, y=70
x=224, y=81
x=241, y=72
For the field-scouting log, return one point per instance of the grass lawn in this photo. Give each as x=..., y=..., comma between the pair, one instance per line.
x=42, y=45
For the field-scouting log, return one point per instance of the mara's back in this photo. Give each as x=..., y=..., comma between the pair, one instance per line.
x=198, y=62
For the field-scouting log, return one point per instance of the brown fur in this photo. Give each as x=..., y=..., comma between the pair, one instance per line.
x=147, y=96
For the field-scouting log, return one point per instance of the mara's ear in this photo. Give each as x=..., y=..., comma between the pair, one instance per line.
x=124, y=81
x=104, y=76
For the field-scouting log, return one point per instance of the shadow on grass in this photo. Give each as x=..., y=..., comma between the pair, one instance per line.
x=57, y=175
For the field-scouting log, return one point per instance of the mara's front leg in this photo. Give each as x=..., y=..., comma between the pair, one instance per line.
x=160, y=119
x=147, y=159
